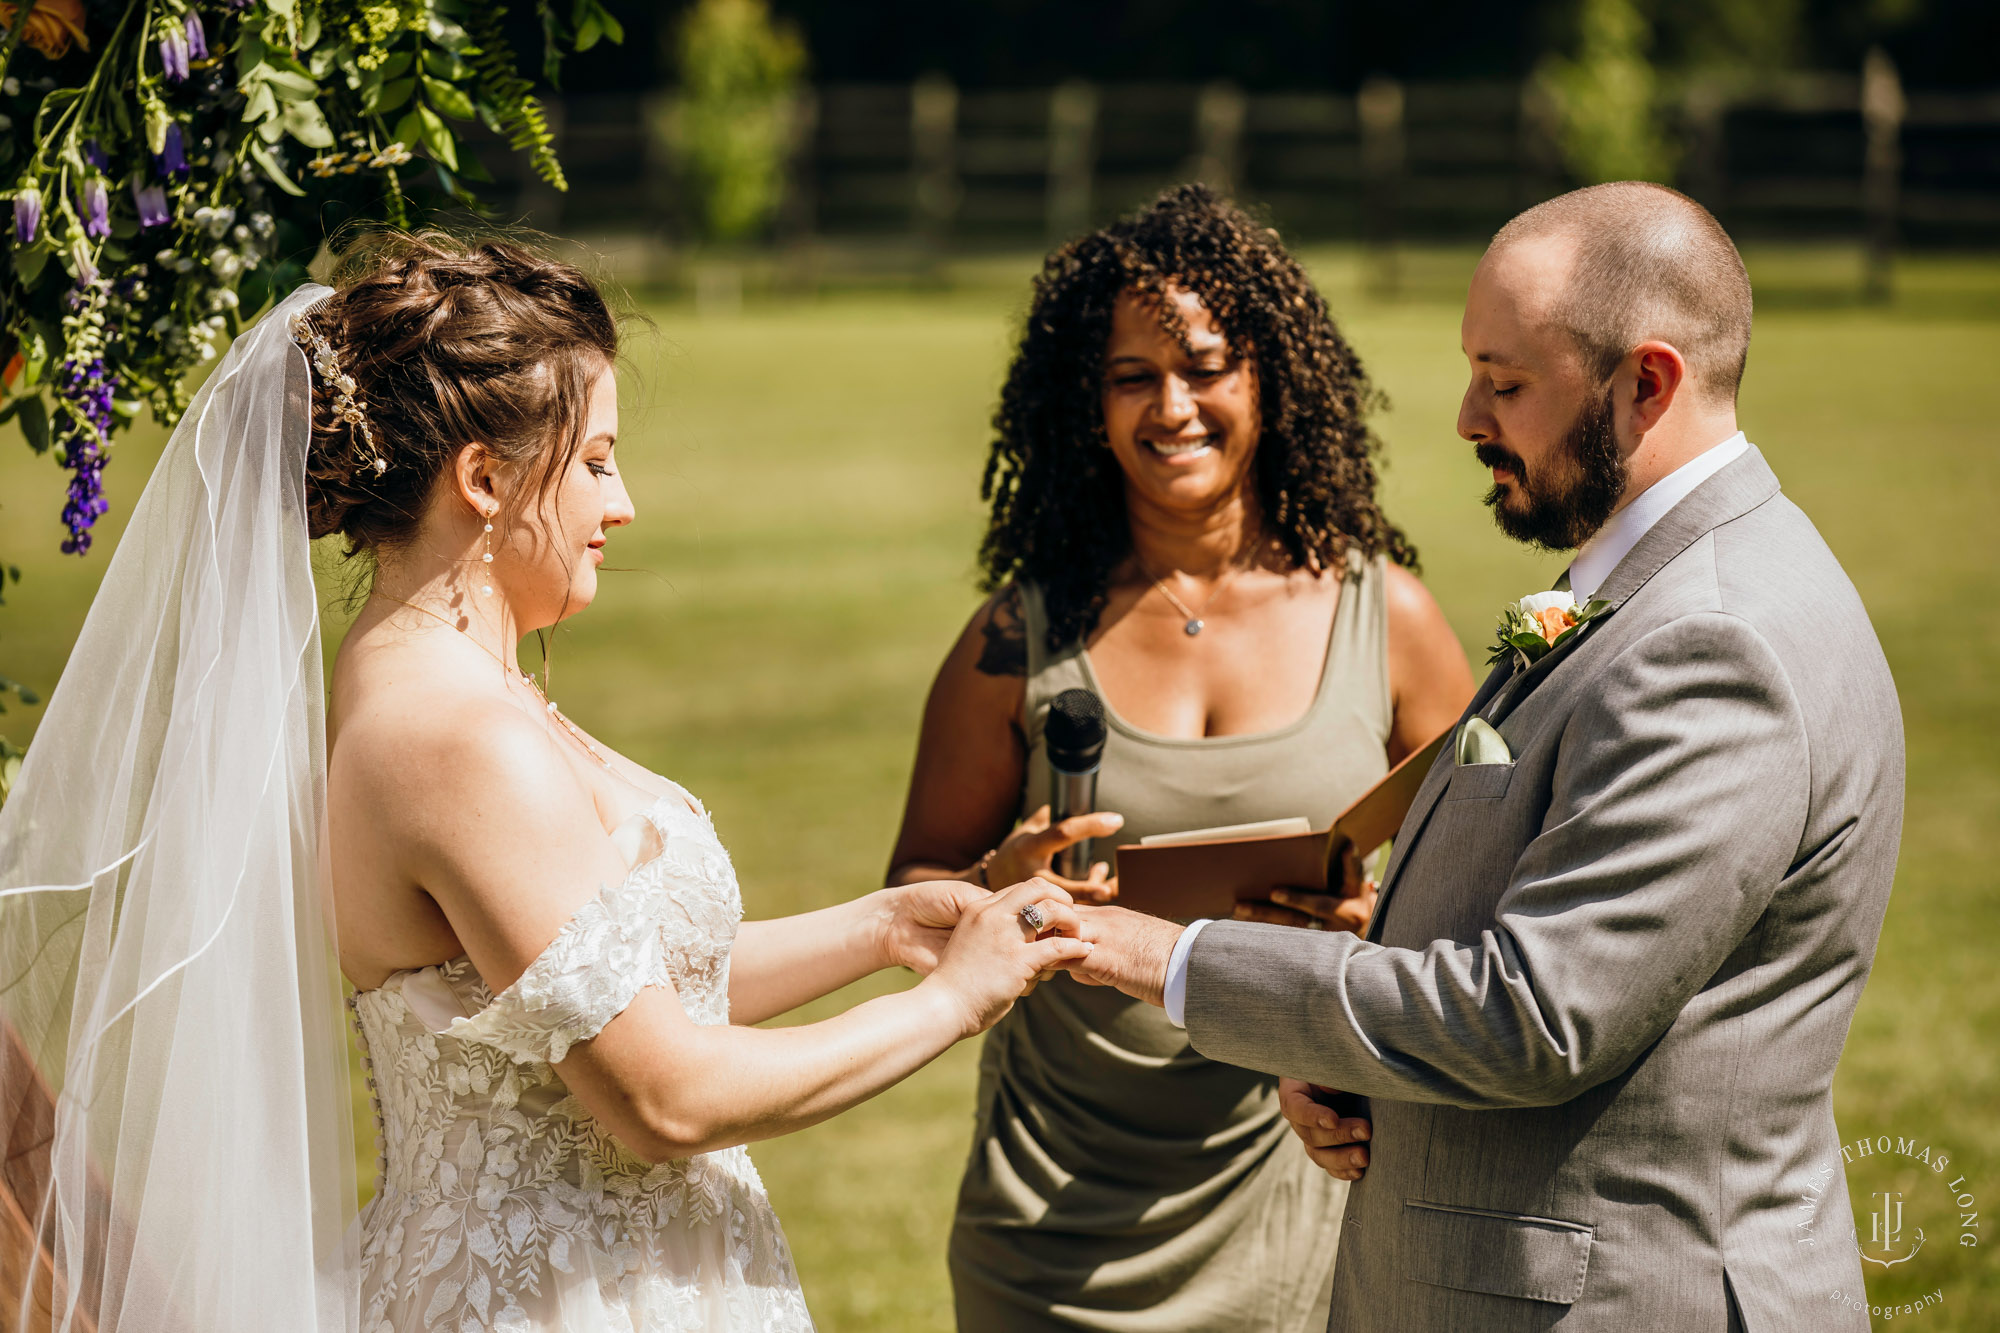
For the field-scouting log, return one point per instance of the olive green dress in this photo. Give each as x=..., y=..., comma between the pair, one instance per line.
x=1119, y=1181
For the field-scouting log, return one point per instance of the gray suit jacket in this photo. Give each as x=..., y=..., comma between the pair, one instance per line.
x=1599, y=1009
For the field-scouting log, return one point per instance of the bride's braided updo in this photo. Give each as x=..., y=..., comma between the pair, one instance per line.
x=448, y=342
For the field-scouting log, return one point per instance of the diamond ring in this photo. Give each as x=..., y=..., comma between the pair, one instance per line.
x=1034, y=918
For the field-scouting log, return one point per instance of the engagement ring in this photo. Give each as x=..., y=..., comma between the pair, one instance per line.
x=1033, y=918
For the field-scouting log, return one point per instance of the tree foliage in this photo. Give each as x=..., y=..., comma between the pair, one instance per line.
x=739, y=74
x=1606, y=97
x=168, y=168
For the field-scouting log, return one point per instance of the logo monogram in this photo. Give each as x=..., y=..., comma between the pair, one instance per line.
x=1885, y=1229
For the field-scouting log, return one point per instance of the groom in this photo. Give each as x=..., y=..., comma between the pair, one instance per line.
x=1615, y=955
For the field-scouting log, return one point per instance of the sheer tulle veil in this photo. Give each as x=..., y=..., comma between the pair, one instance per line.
x=173, y=1081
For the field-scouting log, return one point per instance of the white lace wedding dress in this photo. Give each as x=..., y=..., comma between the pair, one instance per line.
x=502, y=1206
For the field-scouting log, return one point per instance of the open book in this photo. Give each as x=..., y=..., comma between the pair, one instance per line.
x=1206, y=872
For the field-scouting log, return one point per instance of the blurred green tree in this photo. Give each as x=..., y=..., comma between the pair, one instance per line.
x=739, y=73
x=1605, y=97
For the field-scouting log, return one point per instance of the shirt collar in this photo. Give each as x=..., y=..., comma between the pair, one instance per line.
x=1622, y=531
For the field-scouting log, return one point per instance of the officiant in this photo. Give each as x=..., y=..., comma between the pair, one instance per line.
x=1184, y=522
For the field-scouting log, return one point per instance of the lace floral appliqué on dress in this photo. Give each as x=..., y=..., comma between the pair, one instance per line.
x=502, y=1206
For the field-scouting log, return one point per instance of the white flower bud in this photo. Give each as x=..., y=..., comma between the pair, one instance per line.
x=1536, y=603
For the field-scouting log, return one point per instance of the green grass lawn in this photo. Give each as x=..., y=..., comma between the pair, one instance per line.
x=806, y=476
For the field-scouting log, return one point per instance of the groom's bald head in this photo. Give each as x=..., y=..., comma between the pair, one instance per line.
x=1643, y=262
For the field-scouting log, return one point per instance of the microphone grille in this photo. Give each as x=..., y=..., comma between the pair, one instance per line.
x=1075, y=729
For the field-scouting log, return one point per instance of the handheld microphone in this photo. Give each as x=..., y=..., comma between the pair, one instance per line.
x=1074, y=734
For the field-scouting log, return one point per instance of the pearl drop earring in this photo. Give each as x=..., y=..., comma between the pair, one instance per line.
x=486, y=558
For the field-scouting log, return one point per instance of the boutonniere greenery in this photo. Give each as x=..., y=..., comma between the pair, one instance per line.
x=1541, y=623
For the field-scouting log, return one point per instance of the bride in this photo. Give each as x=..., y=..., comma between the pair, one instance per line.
x=551, y=984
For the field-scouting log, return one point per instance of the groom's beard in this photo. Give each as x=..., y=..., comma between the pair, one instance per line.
x=1570, y=496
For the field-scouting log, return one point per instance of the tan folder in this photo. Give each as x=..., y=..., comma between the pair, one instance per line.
x=1186, y=880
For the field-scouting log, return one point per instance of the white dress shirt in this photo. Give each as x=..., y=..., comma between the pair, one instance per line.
x=1622, y=531
x=1593, y=564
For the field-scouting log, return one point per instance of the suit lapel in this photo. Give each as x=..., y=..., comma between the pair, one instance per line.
x=1731, y=493
x=1429, y=794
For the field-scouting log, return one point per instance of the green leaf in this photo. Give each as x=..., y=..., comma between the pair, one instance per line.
x=449, y=99
x=390, y=96
x=309, y=29
x=449, y=35
x=303, y=121
x=34, y=418
x=422, y=126
x=28, y=264
x=289, y=85
x=445, y=64
x=261, y=104
x=10, y=767
x=277, y=174
x=395, y=65
x=614, y=31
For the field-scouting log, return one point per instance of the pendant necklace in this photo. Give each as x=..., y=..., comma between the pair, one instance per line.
x=570, y=728
x=1195, y=624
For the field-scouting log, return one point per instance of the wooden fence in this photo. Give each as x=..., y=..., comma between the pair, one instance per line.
x=928, y=169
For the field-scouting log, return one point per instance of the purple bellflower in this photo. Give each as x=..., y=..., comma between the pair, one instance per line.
x=174, y=56
x=197, y=40
x=94, y=154
x=96, y=206
x=171, y=160
x=152, y=203
x=27, y=215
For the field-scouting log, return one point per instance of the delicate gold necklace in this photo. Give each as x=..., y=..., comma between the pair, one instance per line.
x=1195, y=623
x=575, y=733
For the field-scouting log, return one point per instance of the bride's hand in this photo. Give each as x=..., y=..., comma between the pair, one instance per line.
x=1031, y=849
x=919, y=918
x=994, y=956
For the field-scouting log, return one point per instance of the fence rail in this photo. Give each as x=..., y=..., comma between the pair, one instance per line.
x=930, y=168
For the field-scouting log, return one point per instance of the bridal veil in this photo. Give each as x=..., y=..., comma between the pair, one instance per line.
x=173, y=1067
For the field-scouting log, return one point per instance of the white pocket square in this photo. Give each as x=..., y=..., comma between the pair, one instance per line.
x=1479, y=743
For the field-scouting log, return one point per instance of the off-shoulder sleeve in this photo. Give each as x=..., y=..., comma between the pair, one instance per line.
x=603, y=957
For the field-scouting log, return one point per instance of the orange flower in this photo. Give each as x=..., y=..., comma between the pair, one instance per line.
x=52, y=25
x=1554, y=620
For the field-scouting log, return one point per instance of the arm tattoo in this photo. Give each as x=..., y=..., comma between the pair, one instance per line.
x=1006, y=650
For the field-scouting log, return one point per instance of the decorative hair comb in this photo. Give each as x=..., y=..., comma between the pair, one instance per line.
x=346, y=406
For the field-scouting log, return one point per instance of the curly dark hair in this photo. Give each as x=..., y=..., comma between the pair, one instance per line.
x=1058, y=508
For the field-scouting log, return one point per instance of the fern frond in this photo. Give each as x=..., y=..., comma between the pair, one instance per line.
x=519, y=113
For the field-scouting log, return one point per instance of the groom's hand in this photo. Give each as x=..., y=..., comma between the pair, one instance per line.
x=1131, y=951
x=1337, y=1144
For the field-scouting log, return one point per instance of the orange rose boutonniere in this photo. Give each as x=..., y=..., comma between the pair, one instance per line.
x=1540, y=623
